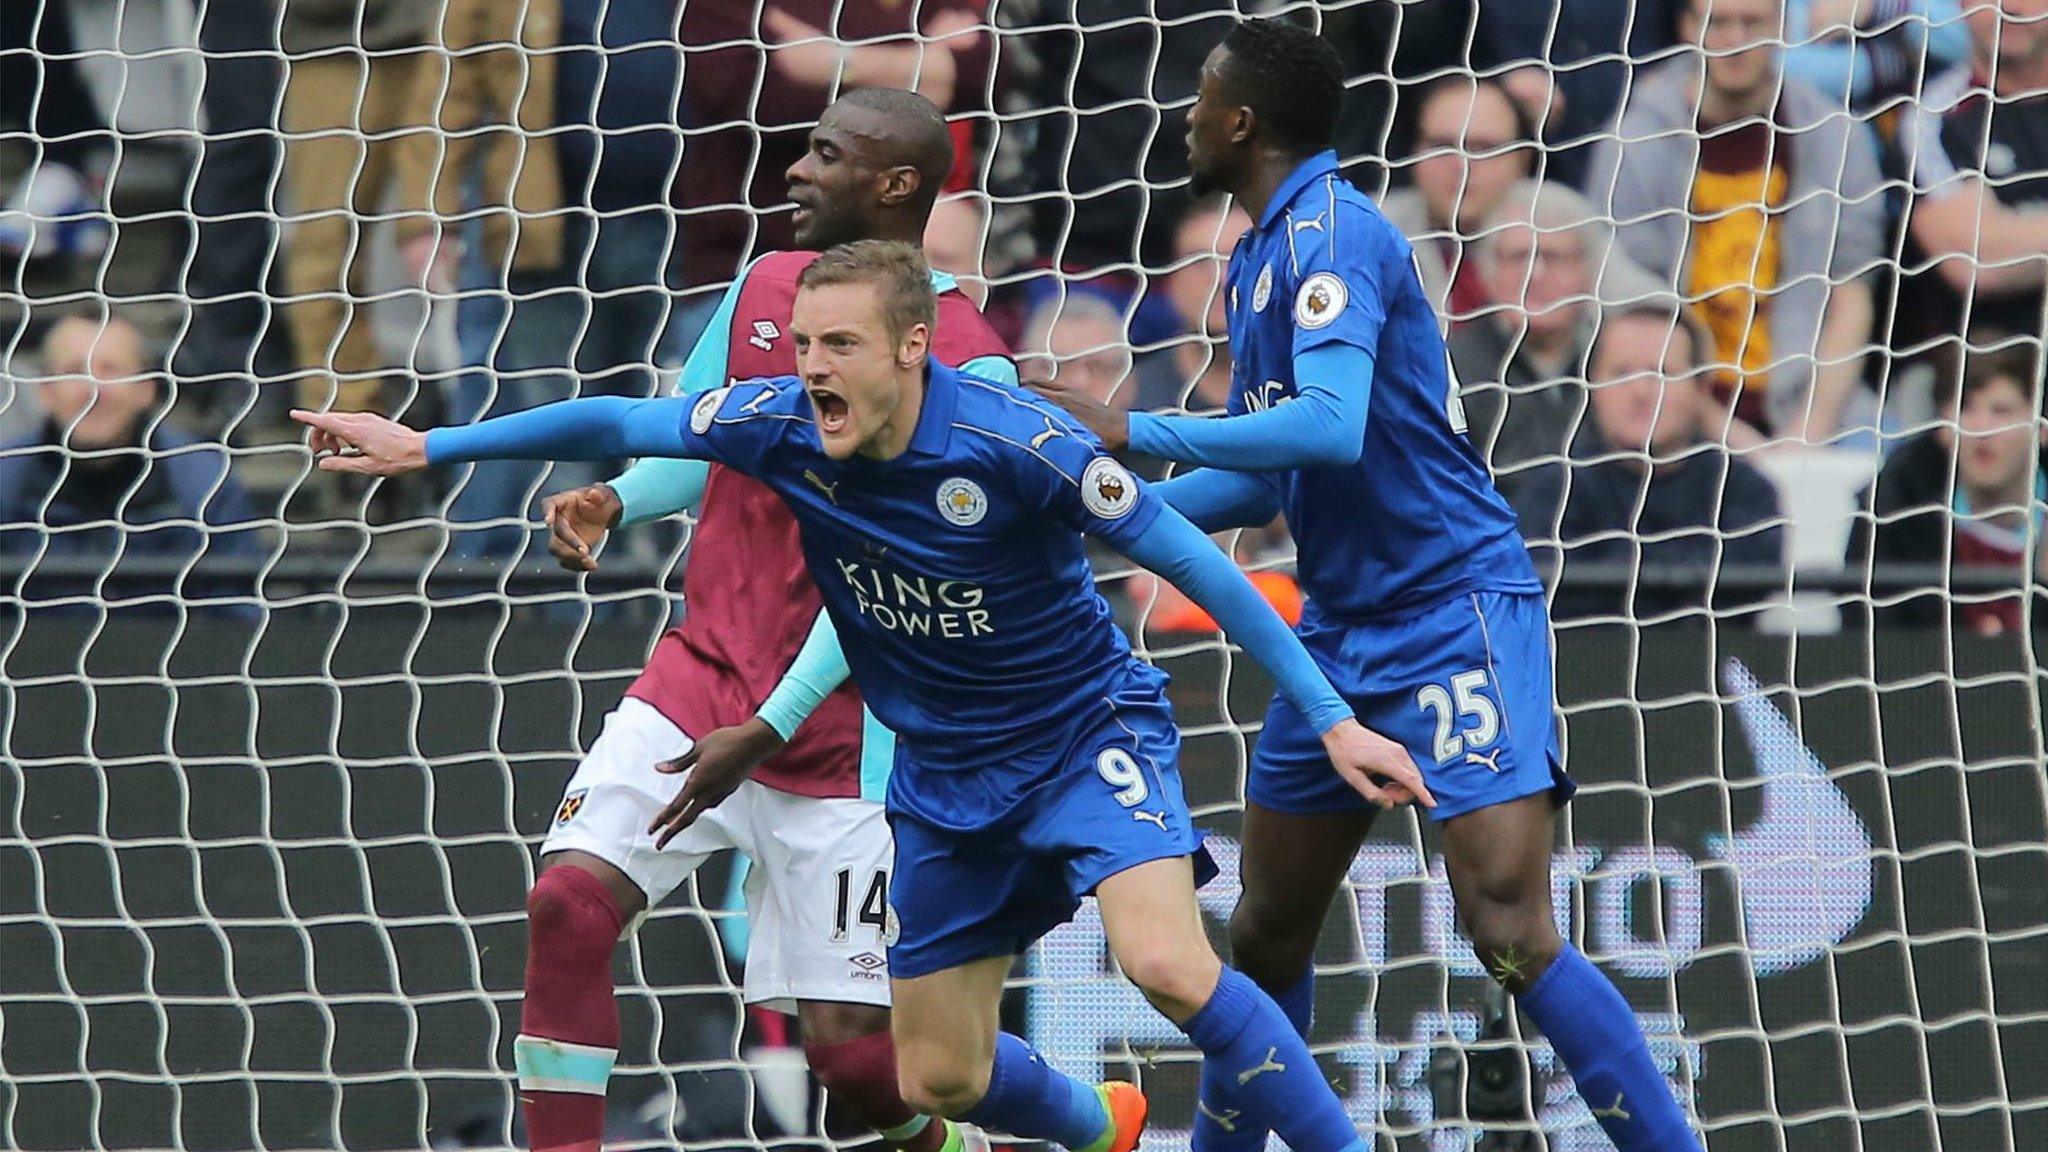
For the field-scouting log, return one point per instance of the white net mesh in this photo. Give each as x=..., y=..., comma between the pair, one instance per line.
x=275, y=751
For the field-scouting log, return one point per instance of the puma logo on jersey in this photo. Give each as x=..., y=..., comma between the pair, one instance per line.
x=765, y=333
x=1052, y=432
x=753, y=406
x=1158, y=818
x=1613, y=1111
x=1314, y=223
x=1267, y=1065
x=1490, y=758
x=831, y=491
x=1227, y=1120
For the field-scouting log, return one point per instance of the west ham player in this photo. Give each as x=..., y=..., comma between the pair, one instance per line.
x=942, y=516
x=1423, y=607
x=816, y=835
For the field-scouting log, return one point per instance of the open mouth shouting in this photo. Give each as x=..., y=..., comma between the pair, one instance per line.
x=834, y=416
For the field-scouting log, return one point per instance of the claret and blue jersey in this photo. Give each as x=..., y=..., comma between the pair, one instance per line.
x=1416, y=517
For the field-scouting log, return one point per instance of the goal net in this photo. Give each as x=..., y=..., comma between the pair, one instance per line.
x=276, y=750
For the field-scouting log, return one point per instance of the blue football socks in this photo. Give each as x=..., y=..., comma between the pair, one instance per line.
x=1252, y=1047
x=1220, y=1121
x=1595, y=1033
x=1029, y=1098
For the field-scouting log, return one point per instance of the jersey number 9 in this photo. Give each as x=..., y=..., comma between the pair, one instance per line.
x=1120, y=771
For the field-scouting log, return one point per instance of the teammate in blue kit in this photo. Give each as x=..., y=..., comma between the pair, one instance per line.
x=1423, y=607
x=941, y=516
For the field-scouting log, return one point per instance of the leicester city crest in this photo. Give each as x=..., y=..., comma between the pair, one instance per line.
x=962, y=501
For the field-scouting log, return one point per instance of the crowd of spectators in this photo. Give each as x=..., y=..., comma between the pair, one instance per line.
x=1669, y=238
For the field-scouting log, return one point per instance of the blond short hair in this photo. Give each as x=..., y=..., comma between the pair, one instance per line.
x=897, y=271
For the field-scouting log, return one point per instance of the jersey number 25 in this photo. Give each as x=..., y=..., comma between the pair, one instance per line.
x=1463, y=701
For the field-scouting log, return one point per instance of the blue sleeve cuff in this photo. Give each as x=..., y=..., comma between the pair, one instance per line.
x=659, y=486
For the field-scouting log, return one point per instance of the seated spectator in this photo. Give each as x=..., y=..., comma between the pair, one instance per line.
x=105, y=476
x=1865, y=53
x=1748, y=191
x=1079, y=342
x=1472, y=143
x=1647, y=487
x=1569, y=63
x=1547, y=261
x=1976, y=148
x=1969, y=493
x=1192, y=373
x=956, y=241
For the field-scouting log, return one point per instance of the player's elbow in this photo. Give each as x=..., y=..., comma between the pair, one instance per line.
x=1325, y=432
x=1332, y=449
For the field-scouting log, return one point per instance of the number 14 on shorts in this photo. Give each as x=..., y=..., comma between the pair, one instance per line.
x=1467, y=720
x=873, y=908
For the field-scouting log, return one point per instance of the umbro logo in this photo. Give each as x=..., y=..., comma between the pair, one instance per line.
x=765, y=334
x=868, y=961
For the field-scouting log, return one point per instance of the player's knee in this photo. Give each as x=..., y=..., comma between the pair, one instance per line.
x=1513, y=941
x=1176, y=980
x=855, y=1068
x=941, y=1088
x=570, y=908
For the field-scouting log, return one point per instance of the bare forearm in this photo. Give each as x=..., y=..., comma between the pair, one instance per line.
x=1844, y=340
x=929, y=69
x=2006, y=247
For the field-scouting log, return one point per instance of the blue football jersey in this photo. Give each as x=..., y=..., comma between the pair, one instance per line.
x=1416, y=519
x=954, y=573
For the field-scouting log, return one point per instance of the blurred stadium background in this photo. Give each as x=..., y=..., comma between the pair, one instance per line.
x=275, y=753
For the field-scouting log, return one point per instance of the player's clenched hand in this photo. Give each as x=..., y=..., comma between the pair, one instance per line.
x=1110, y=425
x=718, y=765
x=363, y=442
x=577, y=520
x=1380, y=769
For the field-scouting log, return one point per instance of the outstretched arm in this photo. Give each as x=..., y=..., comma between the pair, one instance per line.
x=1380, y=769
x=1324, y=425
x=1215, y=499
x=593, y=428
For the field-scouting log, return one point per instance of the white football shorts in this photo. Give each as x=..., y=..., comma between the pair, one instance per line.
x=818, y=891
